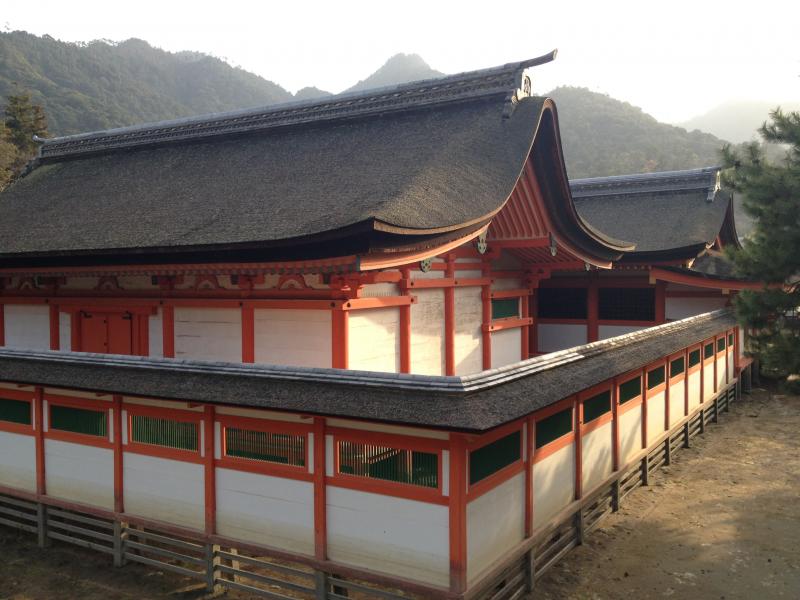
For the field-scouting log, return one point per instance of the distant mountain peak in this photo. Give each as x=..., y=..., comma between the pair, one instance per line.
x=400, y=68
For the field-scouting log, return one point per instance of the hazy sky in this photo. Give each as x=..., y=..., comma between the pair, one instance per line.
x=674, y=59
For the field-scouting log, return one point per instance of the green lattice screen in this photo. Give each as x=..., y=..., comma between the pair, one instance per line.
x=79, y=420
x=164, y=432
x=655, y=377
x=676, y=367
x=390, y=464
x=596, y=406
x=264, y=446
x=694, y=358
x=553, y=427
x=630, y=389
x=15, y=411
x=493, y=457
x=503, y=308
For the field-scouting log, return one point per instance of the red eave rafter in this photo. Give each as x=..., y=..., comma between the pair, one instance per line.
x=657, y=274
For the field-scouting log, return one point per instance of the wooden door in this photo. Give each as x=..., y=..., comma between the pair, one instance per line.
x=106, y=332
x=120, y=333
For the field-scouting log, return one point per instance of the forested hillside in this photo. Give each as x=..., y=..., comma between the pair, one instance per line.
x=101, y=85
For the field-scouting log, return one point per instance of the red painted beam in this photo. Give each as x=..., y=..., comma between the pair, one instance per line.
x=168, y=330
x=458, y=513
x=248, y=334
x=55, y=340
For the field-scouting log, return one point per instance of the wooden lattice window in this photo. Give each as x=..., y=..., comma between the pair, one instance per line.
x=15, y=411
x=169, y=433
x=655, y=377
x=730, y=339
x=282, y=448
x=596, y=406
x=85, y=421
x=694, y=358
x=553, y=427
x=627, y=304
x=721, y=345
x=561, y=303
x=708, y=351
x=374, y=461
x=630, y=390
x=495, y=455
x=676, y=366
x=503, y=308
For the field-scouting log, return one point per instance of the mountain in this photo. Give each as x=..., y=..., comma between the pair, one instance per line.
x=737, y=121
x=401, y=68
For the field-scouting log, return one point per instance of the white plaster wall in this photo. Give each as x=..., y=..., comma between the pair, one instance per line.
x=598, y=462
x=630, y=434
x=656, y=416
x=64, y=331
x=274, y=511
x=495, y=524
x=608, y=331
x=80, y=473
x=391, y=535
x=681, y=308
x=18, y=461
x=694, y=390
x=554, y=336
x=553, y=484
x=427, y=333
x=293, y=337
x=721, y=363
x=156, y=334
x=506, y=347
x=208, y=334
x=374, y=340
x=507, y=284
x=27, y=326
x=677, y=395
x=731, y=365
x=167, y=490
x=708, y=381
x=468, y=317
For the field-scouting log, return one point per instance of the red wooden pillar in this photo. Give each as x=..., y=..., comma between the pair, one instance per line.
x=405, y=326
x=210, y=470
x=450, y=321
x=320, y=500
x=168, y=330
x=458, y=513
x=592, y=313
x=340, y=339
x=615, y=423
x=75, y=330
x=578, y=417
x=529, y=448
x=525, y=312
x=644, y=407
x=248, y=334
x=2, y=324
x=38, y=400
x=661, y=302
x=119, y=505
x=686, y=382
x=486, y=319
x=533, y=330
x=55, y=337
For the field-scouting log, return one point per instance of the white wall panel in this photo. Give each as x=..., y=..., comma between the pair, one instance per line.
x=731, y=366
x=164, y=489
x=391, y=535
x=208, y=334
x=553, y=484
x=598, y=462
x=64, y=331
x=268, y=510
x=427, y=333
x=374, y=340
x=630, y=434
x=656, y=416
x=721, y=362
x=155, y=330
x=609, y=331
x=681, y=308
x=506, y=347
x=27, y=326
x=708, y=381
x=469, y=318
x=555, y=336
x=80, y=473
x=293, y=337
x=495, y=524
x=18, y=461
x=677, y=406
x=694, y=390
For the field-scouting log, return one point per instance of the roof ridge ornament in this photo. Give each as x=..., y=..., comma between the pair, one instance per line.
x=509, y=79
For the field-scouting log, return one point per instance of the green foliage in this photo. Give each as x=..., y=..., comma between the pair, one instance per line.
x=22, y=120
x=771, y=253
x=603, y=136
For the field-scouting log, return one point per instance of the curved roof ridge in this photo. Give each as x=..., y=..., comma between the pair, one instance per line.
x=661, y=181
x=504, y=79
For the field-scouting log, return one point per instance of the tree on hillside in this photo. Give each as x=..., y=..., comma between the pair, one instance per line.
x=23, y=120
x=771, y=253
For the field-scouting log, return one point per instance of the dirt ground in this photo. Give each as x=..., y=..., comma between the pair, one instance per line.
x=723, y=522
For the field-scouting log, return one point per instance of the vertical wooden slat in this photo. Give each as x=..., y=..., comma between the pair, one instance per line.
x=320, y=499
x=168, y=330
x=119, y=505
x=458, y=513
x=592, y=314
x=55, y=338
x=39, y=433
x=210, y=470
